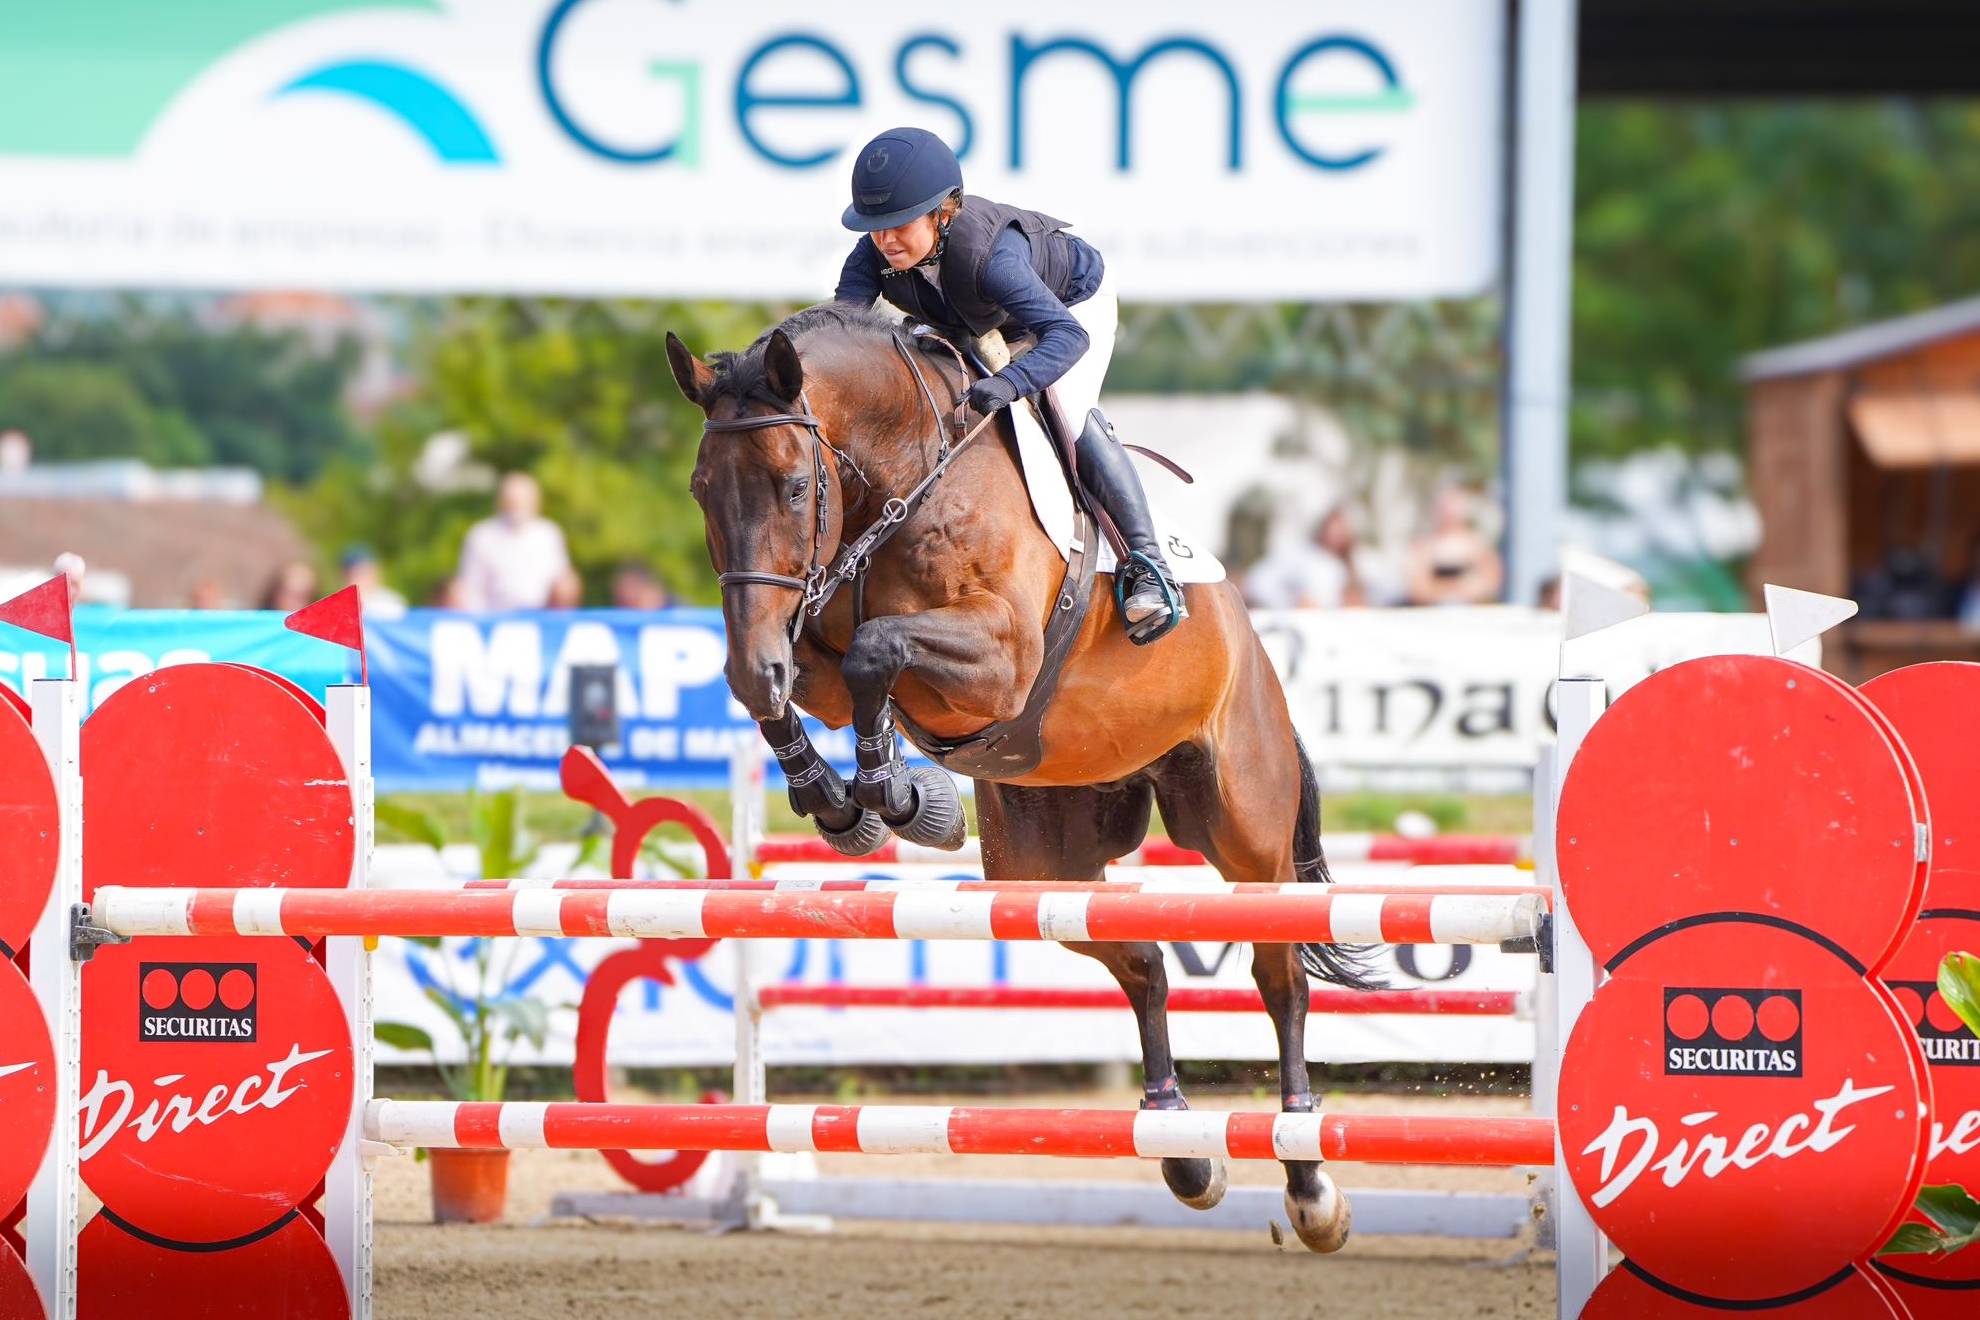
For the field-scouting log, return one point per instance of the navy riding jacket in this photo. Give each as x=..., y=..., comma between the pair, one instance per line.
x=1010, y=279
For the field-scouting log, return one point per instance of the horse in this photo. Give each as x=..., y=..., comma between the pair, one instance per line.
x=829, y=427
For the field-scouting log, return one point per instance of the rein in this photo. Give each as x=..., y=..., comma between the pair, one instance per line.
x=821, y=581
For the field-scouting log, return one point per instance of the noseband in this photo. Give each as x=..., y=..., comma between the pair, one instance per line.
x=821, y=581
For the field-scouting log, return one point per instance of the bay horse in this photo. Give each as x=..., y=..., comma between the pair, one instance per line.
x=819, y=432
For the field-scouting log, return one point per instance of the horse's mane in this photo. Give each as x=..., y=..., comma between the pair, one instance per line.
x=742, y=374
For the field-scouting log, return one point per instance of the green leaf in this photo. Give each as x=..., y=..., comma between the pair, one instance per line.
x=419, y=826
x=462, y=1018
x=1913, y=1240
x=525, y=1018
x=403, y=1036
x=1953, y=1209
x=1959, y=984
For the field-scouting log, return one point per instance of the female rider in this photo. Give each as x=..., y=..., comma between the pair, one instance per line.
x=968, y=265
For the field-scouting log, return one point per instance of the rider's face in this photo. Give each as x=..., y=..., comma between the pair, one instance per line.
x=905, y=245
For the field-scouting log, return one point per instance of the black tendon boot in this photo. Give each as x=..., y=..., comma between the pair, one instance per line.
x=1151, y=602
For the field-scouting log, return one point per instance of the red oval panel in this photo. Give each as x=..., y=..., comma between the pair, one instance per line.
x=1929, y=1299
x=1953, y=1055
x=18, y=1295
x=287, y=684
x=202, y=1122
x=1624, y=1296
x=213, y=775
x=1680, y=1146
x=290, y=1273
x=1741, y=783
x=27, y=1085
x=30, y=829
x=1935, y=708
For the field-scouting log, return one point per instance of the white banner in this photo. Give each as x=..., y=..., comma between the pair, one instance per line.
x=1453, y=699
x=691, y=1023
x=1337, y=149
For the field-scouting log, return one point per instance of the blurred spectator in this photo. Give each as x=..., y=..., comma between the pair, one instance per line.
x=567, y=592
x=293, y=586
x=1327, y=571
x=514, y=560
x=637, y=587
x=208, y=594
x=71, y=566
x=1453, y=563
x=361, y=571
x=446, y=594
x=1550, y=594
x=16, y=453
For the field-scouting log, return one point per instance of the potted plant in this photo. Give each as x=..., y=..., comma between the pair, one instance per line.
x=471, y=1186
x=1952, y=1213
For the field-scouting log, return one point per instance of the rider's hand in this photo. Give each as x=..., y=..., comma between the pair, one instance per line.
x=991, y=393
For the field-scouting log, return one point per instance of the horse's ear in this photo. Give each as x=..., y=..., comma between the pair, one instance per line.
x=782, y=371
x=690, y=373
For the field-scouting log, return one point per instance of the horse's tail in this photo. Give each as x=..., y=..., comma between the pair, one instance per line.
x=1342, y=964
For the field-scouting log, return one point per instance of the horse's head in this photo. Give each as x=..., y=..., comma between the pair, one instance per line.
x=770, y=503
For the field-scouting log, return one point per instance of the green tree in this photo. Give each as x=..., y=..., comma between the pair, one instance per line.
x=90, y=410
x=1704, y=232
x=164, y=386
x=577, y=393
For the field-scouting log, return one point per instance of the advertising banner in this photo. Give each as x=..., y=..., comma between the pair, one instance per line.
x=1331, y=150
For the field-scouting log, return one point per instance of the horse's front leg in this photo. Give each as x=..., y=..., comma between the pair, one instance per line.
x=959, y=650
x=815, y=789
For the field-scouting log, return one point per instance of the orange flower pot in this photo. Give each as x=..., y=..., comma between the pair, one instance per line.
x=469, y=1186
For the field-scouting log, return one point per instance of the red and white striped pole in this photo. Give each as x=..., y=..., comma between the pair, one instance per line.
x=1180, y=883
x=1298, y=914
x=1436, y=850
x=945, y=1130
x=1444, y=1003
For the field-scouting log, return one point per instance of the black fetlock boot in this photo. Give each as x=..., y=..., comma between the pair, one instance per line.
x=1151, y=603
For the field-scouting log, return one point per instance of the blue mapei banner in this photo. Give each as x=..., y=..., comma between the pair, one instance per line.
x=465, y=700
x=459, y=700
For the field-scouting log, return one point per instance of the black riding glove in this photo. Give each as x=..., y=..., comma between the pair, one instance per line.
x=990, y=394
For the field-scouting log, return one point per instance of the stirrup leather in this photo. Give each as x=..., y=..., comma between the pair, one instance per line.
x=1157, y=625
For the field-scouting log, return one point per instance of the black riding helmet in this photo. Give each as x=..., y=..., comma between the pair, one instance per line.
x=902, y=174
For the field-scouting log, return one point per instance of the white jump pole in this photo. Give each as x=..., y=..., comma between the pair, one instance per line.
x=56, y=979
x=347, y=1194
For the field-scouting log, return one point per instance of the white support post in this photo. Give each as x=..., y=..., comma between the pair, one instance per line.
x=347, y=1203
x=749, y=1082
x=52, y=1211
x=1582, y=1251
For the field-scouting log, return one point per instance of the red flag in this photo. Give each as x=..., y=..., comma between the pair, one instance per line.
x=45, y=610
x=336, y=618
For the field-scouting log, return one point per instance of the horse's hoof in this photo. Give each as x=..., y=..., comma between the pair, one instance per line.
x=1198, y=1184
x=1324, y=1222
x=860, y=839
x=937, y=819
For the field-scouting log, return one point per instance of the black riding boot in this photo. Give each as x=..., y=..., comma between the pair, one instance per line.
x=1151, y=602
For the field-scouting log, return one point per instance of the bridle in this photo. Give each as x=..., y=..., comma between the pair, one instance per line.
x=821, y=581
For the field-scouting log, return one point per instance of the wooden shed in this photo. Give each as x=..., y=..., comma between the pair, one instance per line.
x=1863, y=456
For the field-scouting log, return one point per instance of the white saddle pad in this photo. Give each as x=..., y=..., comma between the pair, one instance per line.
x=1052, y=502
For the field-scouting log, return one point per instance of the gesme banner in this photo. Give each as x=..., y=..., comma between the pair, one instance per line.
x=1248, y=150
x=1422, y=699
x=690, y=1022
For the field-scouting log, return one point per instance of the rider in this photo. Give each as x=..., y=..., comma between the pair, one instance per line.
x=967, y=265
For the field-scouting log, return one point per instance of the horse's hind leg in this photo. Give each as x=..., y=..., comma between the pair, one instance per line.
x=1249, y=813
x=1071, y=834
x=1317, y=1209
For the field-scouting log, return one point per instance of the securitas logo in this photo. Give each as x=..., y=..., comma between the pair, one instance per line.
x=1732, y=1033
x=196, y=1001
x=1945, y=1038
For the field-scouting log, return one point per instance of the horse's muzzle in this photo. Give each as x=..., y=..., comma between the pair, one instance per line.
x=763, y=687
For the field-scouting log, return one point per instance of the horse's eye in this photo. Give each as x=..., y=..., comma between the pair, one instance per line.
x=798, y=487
